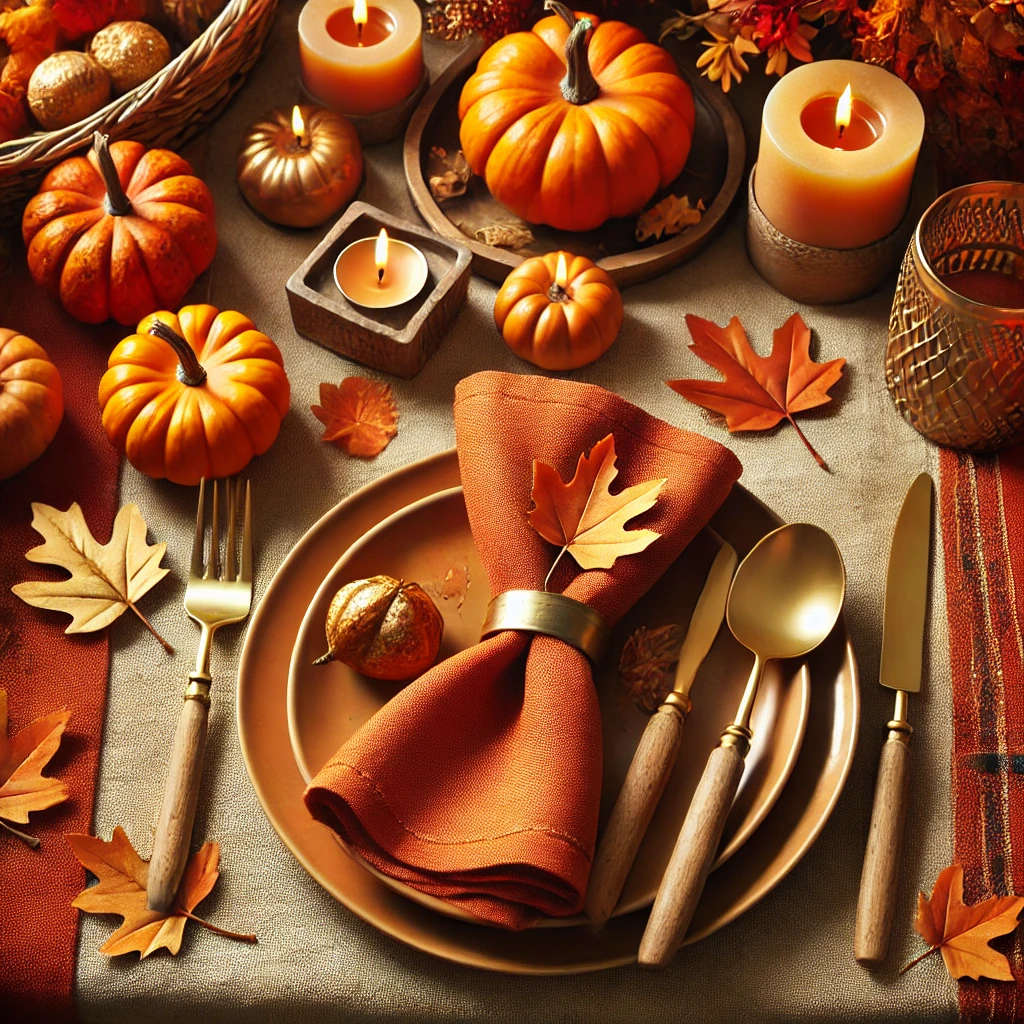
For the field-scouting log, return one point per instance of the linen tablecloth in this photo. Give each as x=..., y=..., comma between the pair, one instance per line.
x=788, y=958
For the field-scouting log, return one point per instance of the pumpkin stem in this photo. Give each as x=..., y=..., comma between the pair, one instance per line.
x=556, y=293
x=579, y=85
x=118, y=203
x=190, y=371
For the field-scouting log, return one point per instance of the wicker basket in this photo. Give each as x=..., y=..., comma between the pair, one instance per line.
x=164, y=111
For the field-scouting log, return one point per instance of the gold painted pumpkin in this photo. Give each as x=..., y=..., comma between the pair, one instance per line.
x=384, y=628
x=31, y=401
x=558, y=311
x=194, y=395
x=571, y=124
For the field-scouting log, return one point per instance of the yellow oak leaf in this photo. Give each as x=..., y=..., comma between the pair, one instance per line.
x=121, y=890
x=23, y=787
x=106, y=579
x=583, y=517
x=962, y=933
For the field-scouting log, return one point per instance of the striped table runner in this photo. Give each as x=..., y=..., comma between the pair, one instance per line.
x=982, y=512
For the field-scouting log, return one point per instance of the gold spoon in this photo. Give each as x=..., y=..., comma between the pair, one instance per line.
x=784, y=601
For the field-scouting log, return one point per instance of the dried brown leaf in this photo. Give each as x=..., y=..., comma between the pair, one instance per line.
x=669, y=217
x=646, y=664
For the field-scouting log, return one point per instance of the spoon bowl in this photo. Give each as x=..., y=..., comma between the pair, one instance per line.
x=787, y=593
x=783, y=602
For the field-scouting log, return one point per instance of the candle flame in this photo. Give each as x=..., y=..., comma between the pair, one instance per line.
x=299, y=127
x=561, y=271
x=380, y=255
x=360, y=15
x=844, y=110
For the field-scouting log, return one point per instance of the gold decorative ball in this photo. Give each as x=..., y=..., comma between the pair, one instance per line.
x=384, y=628
x=131, y=52
x=66, y=87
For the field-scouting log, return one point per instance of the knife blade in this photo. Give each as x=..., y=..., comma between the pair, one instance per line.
x=903, y=625
x=658, y=748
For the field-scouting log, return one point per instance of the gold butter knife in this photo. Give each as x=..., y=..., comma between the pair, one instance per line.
x=657, y=751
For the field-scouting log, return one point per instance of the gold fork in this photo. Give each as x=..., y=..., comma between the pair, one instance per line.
x=216, y=596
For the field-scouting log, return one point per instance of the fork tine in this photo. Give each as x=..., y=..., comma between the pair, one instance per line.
x=233, y=487
x=213, y=562
x=196, y=567
x=247, y=536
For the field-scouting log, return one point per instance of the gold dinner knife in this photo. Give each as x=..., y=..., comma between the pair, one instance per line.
x=657, y=751
x=906, y=602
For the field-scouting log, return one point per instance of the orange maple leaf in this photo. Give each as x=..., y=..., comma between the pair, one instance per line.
x=121, y=890
x=23, y=787
x=759, y=392
x=583, y=517
x=359, y=415
x=962, y=933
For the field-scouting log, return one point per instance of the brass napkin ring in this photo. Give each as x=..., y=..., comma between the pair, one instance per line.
x=556, y=615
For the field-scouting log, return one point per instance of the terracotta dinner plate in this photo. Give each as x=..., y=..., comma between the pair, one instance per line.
x=430, y=542
x=786, y=833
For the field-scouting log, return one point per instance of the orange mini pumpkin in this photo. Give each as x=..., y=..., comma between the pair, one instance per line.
x=194, y=395
x=120, y=233
x=571, y=124
x=558, y=311
x=31, y=401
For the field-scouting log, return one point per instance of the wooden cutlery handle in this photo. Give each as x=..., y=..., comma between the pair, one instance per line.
x=178, y=810
x=649, y=771
x=880, y=878
x=692, y=857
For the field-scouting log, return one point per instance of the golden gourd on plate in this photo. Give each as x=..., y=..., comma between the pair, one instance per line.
x=576, y=121
x=194, y=395
x=384, y=628
x=31, y=401
x=558, y=311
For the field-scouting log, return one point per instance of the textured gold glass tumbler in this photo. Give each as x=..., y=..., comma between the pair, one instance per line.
x=955, y=367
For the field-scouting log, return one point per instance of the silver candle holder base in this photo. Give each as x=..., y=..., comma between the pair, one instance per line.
x=813, y=274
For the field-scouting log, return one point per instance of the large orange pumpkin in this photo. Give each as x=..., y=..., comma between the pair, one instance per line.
x=120, y=233
x=31, y=401
x=194, y=395
x=559, y=311
x=571, y=124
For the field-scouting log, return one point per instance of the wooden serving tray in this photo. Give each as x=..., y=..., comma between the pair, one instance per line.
x=713, y=173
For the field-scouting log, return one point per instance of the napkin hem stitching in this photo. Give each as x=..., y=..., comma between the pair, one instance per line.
x=546, y=829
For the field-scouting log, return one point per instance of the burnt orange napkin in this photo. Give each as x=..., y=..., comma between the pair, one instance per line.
x=479, y=783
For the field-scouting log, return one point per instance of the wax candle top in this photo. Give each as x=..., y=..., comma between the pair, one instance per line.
x=359, y=25
x=881, y=106
x=380, y=272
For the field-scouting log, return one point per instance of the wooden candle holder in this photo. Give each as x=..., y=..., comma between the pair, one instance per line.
x=398, y=340
x=384, y=126
x=813, y=274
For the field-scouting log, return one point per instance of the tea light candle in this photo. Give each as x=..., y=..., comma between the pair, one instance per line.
x=380, y=272
x=360, y=58
x=836, y=177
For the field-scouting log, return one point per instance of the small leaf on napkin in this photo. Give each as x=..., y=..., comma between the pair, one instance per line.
x=121, y=890
x=646, y=663
x=583, y=517
x=105, y=579
x=23, y=787
x=669, y=217
x=759, y=392
x=963, y=933
x=358, y=415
